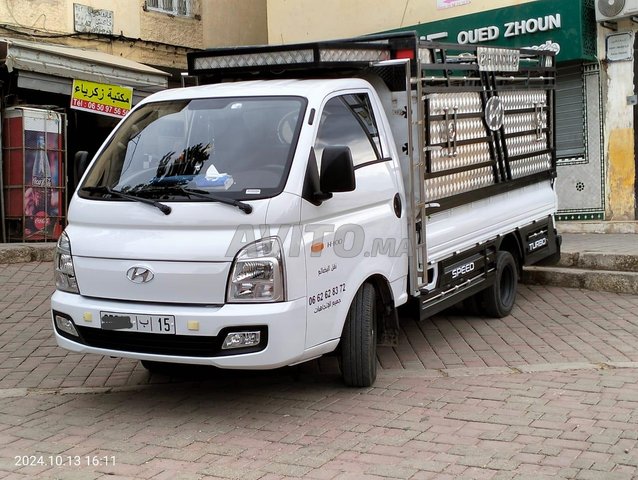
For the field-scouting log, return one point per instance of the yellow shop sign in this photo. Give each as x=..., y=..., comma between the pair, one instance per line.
x=101, y=98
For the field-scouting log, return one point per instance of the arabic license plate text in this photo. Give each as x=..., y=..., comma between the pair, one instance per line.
x=138, y=323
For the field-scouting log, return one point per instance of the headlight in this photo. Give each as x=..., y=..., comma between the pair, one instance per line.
x=63, y=264
x=257, y=275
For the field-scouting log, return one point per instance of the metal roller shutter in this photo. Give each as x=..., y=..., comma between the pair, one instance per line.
x=570, y=111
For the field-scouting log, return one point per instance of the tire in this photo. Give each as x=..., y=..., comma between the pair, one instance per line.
x=358, y=358
x=498, y=300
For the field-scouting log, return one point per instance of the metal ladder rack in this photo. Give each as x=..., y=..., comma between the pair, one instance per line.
x=418, y=205
x=416, y=197
x=447, y=79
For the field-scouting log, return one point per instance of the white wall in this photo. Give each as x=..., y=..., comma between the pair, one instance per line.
x=618, y=127
x=308, y=20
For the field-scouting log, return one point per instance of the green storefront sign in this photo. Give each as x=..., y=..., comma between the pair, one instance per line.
x=565, y=26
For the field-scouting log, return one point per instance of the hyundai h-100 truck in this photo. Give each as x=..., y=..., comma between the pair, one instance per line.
x=288, y=204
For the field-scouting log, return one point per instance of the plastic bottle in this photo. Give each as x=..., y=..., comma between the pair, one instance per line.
x=41, y=182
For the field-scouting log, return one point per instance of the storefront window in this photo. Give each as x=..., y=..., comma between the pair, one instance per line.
x=174, y=7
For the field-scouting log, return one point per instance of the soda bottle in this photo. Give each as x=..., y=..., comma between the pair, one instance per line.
x=41, y=182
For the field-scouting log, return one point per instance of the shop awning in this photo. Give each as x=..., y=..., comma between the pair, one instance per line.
x=52, y=68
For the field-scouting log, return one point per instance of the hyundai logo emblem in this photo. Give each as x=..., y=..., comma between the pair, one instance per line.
x=139, y=275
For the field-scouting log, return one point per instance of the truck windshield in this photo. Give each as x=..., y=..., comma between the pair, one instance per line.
x=235, y=147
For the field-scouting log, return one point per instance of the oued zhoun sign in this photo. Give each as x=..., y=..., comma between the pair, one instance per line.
x=112, y=100
x=567, y=27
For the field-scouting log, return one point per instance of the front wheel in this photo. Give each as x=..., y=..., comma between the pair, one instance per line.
x=359, y=340
x=498, y=300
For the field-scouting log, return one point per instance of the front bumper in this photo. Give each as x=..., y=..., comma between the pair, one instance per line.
x=284, y=325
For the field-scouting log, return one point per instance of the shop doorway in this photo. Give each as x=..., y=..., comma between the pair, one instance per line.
x=86, y=131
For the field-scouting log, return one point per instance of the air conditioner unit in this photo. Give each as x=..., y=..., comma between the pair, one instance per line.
x=611, y=10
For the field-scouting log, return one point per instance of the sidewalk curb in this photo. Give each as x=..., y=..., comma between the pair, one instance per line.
x=608, y=226
x=23, y=253
x=592, y=260
x=596, y=280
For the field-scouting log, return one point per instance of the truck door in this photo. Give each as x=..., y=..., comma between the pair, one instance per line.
x=353, y=234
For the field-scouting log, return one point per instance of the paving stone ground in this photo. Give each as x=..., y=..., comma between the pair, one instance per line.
x=549, y=392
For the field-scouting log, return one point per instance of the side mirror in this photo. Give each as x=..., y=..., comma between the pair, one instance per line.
x=80, y=163
x=337, y=170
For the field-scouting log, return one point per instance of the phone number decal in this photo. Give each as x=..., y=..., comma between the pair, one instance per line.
x=324, y=300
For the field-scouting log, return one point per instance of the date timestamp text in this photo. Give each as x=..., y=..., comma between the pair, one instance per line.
x=64, y=460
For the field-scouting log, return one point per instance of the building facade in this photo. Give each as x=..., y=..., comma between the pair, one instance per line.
x=308, y=20
x=594, y=116
x=153, y=32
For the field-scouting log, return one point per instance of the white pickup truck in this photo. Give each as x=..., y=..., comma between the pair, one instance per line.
x=286, y=207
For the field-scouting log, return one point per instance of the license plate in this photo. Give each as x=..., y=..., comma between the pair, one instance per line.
x=132, y=322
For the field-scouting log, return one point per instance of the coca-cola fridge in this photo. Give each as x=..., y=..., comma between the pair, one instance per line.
x=33, y=167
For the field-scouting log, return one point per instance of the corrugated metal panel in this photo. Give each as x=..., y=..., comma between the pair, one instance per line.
x=570, y=111
x=67, y=62
x=62, y=86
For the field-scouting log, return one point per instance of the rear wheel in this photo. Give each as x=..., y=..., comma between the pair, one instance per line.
x=359, y=340
x=498, y=300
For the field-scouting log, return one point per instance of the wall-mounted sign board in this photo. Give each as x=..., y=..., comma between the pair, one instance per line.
x=620, y=47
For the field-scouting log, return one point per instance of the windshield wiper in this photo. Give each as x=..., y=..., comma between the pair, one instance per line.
x=165, y=209
x=210, y=196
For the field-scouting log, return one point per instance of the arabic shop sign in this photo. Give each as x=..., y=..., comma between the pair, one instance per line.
x=101, y=98
x=567, y=27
